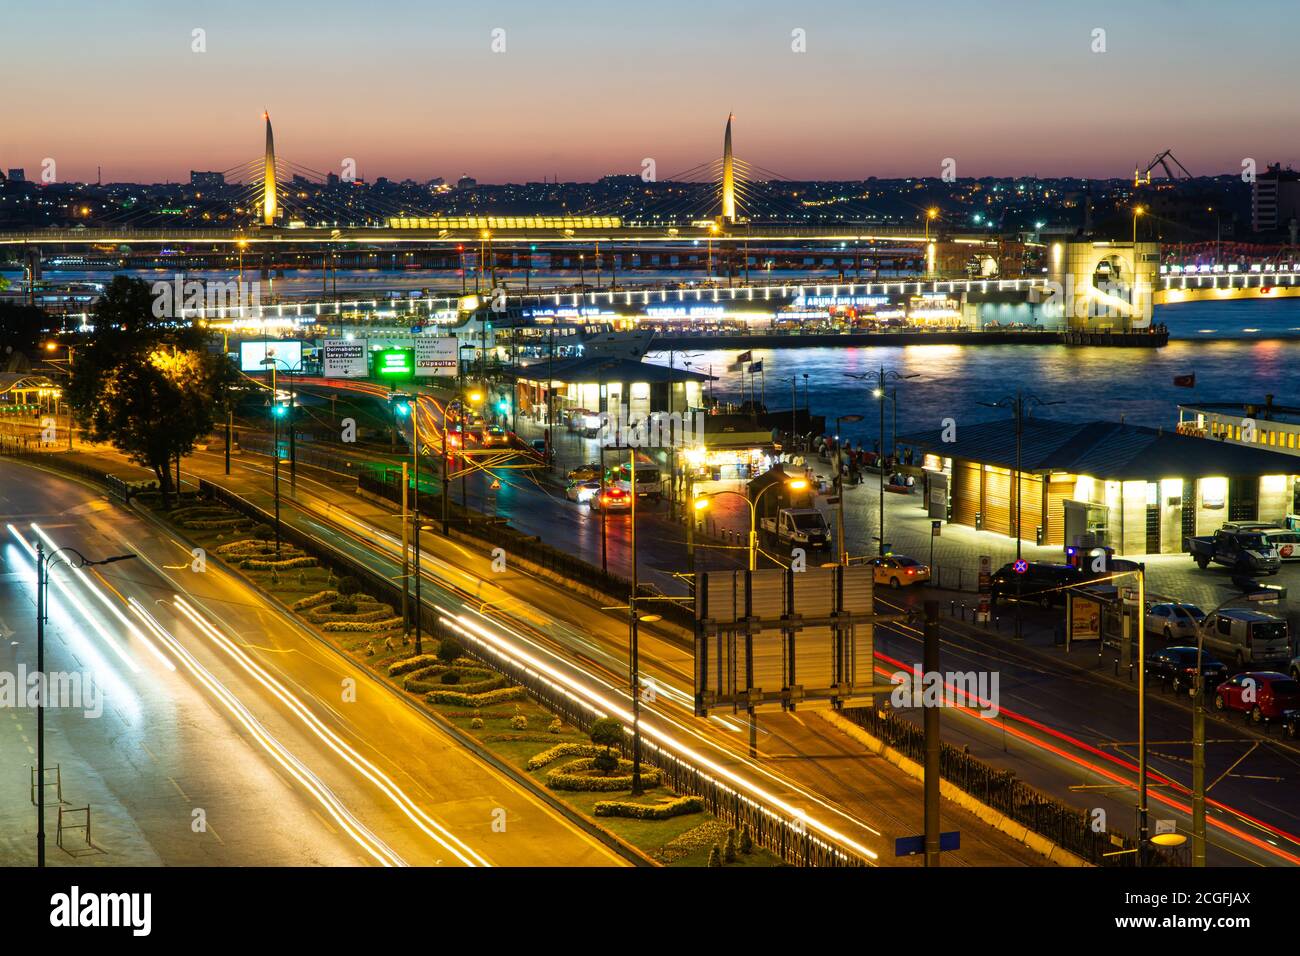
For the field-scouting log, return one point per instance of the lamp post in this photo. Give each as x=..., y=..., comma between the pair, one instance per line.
x=42, y=613
x=1018, y=404
x=72, y=350
x=931, y=214
x=841, y=550
x=878, y=393
x=1199, y=847
x=273, y=362
x=404, y=404
x=1137, y=211
x=794, y=484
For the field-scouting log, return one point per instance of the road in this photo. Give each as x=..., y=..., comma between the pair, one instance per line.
x=216, y=702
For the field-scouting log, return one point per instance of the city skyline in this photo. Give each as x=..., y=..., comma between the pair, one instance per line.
x=856, y=104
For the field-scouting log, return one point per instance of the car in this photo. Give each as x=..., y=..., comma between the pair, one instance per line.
x=1174, y=622
x=1286, y=542
x=588, y=472
x=1262, y=695
x=612, y=499
x=1248, y=637
x=581, y=491
x=898, y=571
x=494, y=436
x=1042, y=583
x=1178, y=665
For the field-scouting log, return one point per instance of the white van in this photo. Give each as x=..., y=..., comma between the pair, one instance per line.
x=1249, y=638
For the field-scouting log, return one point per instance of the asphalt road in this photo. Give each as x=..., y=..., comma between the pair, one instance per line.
x=236, y=710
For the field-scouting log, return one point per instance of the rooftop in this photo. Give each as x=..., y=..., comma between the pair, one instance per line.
x=1265, y=411
x=1105, y=450
x=602, y=369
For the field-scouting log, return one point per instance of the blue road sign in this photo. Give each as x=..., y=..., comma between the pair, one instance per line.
x=417, y=329
x=914, y=845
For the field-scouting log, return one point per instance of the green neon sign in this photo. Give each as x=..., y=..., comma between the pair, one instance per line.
x=395, y=363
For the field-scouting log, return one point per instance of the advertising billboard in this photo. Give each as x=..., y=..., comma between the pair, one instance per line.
x=286, y=352
x=436, y=356
x=344, y=358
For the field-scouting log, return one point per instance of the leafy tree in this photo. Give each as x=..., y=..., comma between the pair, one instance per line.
x=144, y=384
x=606, y=732
x=449, y=651
x=22, y=329
x=348, y=585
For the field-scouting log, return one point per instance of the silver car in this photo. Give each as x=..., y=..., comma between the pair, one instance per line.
x=1174, y=622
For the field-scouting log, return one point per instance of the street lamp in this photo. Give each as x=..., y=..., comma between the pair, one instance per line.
x=1018, y=404
x=702, y=503
x=460, y=405
x=53, y=346
x=931, y=214
x=1198, y=721
x=878, y=393
x=77, y=560
x=272, y=362
x=1137, y=211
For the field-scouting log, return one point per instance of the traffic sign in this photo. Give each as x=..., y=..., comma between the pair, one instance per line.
x=1021, y=566
x=936, y=527
x=912, y=845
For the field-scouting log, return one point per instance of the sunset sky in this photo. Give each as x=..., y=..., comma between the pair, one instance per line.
x=588, y=88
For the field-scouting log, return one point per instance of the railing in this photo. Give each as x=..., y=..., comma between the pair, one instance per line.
x=1065, y=826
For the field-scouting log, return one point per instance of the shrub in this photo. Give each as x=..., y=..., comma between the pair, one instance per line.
x=461, y=699
x=715, y=858
x=450, y=677
x=348, y=585
x=408, y=664
x=449, y=651
x=605, y=761
x=538, y=761
x=576, y=775
x=729, y=848
x=609, y=732
x=476, y=723
x=555, y=726
x=519, y=722
x=287, y=564
x=679, y=806
x=369, y=627
x=264, y=532
x=746, y=841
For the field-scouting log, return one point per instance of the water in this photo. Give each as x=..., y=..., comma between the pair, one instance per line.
x=1230, y=364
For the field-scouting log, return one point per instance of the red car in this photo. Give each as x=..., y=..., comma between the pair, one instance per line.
x=1264, y=695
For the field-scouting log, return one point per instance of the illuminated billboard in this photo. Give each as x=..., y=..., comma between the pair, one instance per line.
x=287, y=354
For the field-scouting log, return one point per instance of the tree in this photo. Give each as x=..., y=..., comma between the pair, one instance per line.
x=606, y=732
x=449, y=651
x=144, y=384
x=22, y=329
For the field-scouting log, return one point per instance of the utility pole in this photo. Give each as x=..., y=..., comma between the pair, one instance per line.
x=930, y=664
x=406, y=554
x=633, y=657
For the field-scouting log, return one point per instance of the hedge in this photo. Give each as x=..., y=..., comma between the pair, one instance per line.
x=649, y=811
x=376, y=612
x=368, y=627
x=288, y=564
x=413, y=663
x=462, y=699
x=315, y=600
x=570, y=777
x=421, y=682
x=571, y=749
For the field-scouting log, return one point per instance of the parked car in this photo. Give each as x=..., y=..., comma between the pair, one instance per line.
x=581, y=491
x=1174, y=622
x=1264, y=695
x=1178, y=665
x=1246, y=552
x=588, y=472
x=1042, y=583
x=898, y=571
x=613, y=499
x=800, y=527
x=1248, y=637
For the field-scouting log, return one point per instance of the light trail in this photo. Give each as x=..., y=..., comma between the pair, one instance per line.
x=359, y=833
x=430, y=827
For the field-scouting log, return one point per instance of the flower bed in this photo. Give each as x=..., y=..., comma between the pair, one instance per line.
x=285, y=564
x=676, y=807
x=315, y=600
x=413, y=663
x=581, y=775
x=366, y=627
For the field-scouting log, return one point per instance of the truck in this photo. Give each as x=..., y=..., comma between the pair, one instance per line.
x=1246, y=552
x=801, y=527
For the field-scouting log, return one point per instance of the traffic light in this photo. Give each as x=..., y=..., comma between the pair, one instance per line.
x=279, y=410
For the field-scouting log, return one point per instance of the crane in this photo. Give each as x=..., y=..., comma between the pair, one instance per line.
x=1143, y=177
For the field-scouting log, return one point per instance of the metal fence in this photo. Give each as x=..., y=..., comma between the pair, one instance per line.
x=1065, y=826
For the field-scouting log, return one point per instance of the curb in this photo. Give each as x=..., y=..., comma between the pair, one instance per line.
x=949, y=791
